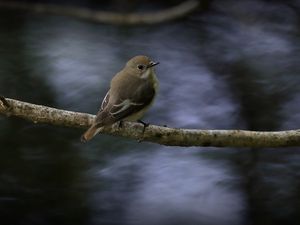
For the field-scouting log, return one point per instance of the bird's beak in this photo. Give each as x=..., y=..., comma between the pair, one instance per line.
x=151, y=64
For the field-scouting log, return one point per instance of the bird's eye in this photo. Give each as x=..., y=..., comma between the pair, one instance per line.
x=140, y=67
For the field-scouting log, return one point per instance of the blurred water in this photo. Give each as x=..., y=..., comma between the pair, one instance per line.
x=164, y=190
x=233, y=66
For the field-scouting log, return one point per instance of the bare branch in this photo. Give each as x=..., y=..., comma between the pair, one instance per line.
x=156, y=134
x=172, y=13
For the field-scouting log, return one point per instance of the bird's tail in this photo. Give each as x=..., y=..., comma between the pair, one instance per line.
x=90, y=133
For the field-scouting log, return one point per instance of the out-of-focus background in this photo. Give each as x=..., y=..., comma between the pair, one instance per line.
x=228, y=65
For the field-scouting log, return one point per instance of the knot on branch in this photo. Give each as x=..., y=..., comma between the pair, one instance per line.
x=7, y=108
x=4, y=103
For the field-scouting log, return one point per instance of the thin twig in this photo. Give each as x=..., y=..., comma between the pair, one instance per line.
x=98, y=16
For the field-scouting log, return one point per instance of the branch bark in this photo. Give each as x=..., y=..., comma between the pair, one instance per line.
x=172, y=13
x=156, y=134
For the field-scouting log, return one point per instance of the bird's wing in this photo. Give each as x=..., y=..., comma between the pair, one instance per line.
x=128, y=103
x=132, y=101
x=105, y=101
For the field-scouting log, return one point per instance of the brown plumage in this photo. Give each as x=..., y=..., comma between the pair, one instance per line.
x=131, y=93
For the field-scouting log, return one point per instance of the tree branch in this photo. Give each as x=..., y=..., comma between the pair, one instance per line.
x=172, y=13
x=156, y=134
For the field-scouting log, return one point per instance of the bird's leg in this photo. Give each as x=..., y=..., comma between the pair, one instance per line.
x=145, y=125
x=120, y=123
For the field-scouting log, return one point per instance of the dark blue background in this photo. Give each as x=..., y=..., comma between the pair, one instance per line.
x=232, y=65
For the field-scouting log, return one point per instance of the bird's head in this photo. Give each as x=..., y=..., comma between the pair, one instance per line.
x=141, y=66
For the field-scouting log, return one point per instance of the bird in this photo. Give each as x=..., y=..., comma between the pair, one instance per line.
x=131, y=93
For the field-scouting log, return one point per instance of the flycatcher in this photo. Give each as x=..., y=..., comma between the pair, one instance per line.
x=131, y=93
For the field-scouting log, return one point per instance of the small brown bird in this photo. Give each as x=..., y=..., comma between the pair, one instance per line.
x=131, y=93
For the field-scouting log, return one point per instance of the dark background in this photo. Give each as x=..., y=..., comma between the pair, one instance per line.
x=229, y=65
